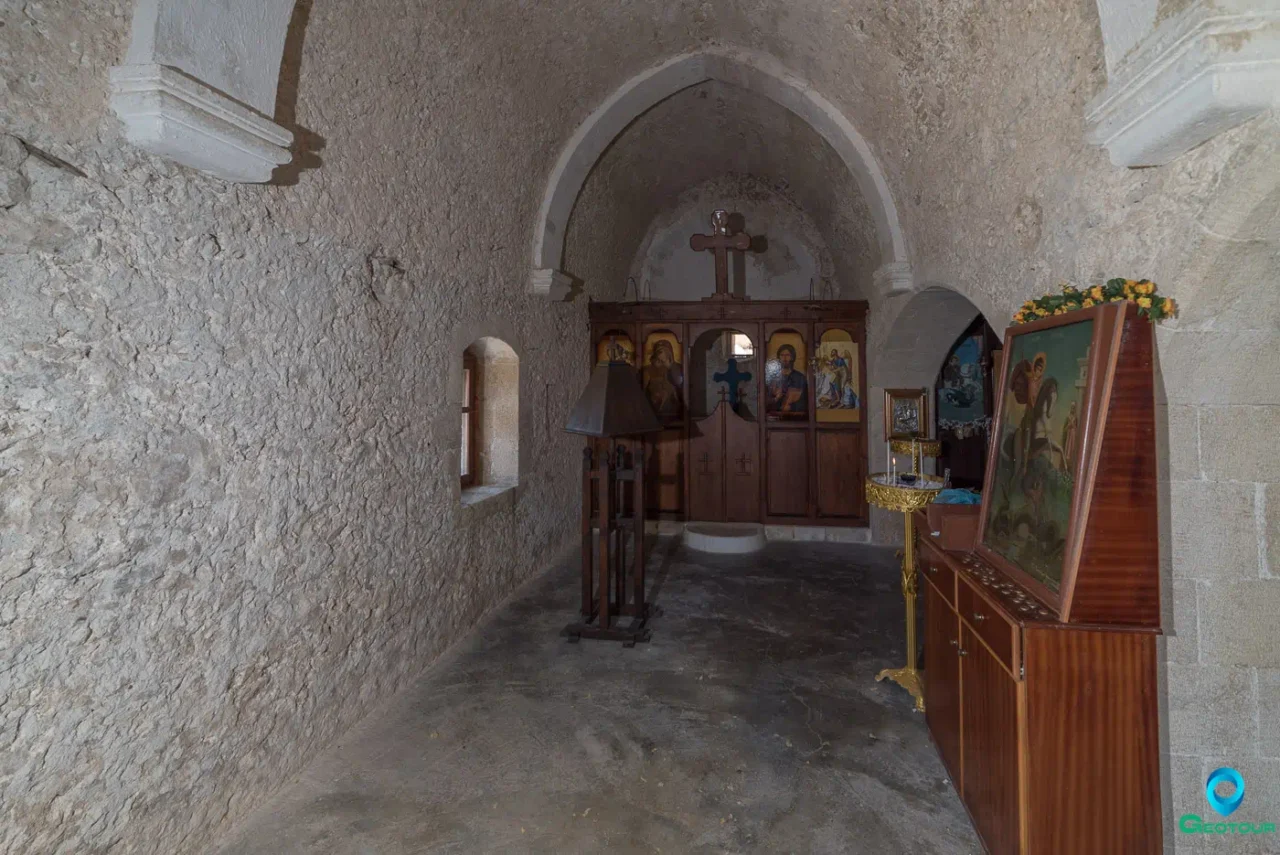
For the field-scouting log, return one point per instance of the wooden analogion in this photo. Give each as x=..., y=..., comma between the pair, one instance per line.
x=1040, y=641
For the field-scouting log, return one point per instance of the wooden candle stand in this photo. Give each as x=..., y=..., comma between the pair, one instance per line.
x=604, y=546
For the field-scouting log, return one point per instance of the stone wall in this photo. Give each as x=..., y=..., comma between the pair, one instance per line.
x=789, y=260
x=231, y=522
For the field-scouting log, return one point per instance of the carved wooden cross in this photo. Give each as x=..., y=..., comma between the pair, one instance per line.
x=743, y=462
x=705, y=460
x=733, y=377
x=720, y=242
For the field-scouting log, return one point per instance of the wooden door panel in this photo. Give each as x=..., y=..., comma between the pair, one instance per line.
x=788, y=484
x=989, y=712
x=742, y=469
x=664, y=476
x=1092, y=705
x=840, y=489
x=942, y=679
x=706, y=469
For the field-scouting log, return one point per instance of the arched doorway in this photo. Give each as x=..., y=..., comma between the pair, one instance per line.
x=907, y=350
x=724, y=431
x=964, y=403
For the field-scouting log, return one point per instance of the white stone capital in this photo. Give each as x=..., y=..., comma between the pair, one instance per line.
x=553, y=284
x=171, y=114
x=1205, y=70
x=893, y=278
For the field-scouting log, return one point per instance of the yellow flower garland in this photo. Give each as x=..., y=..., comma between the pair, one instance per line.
x=1141, y=292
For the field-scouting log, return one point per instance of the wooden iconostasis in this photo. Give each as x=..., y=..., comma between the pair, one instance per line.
x=763, y=403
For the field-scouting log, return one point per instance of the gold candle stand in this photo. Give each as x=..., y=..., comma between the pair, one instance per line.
x=917, y=448
x=905, y=499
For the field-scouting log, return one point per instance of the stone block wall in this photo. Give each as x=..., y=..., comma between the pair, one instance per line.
x=1220, y=529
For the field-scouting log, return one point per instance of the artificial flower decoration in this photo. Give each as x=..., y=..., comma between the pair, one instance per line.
x=1141, y=292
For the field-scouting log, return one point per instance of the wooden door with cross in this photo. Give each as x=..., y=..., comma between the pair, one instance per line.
x=724, y=447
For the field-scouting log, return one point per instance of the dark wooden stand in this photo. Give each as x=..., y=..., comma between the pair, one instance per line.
x=604, y=577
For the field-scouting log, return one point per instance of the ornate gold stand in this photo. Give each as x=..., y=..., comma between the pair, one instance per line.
x=905, y=499
x=917, y=448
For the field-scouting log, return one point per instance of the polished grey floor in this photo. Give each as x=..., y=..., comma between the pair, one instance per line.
x=750, y=723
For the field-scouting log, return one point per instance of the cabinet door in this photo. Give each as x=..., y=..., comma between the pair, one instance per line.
x=989, y=739
x=942, y=679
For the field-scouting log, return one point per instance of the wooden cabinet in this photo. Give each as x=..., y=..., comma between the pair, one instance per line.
x=942, y=688
x=1058, y=609
x=1049, y=730
x=989, y=742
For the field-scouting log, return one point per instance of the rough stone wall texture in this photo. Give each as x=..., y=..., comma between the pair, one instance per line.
x=231, y=520
x=789, y=259
x=230, y=506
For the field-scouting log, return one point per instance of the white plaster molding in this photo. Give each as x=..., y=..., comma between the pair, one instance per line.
x=176, y=116
x=550, y=283
x=1210, y=68
x=893, y=278
x=756, y=72
x=199, y=83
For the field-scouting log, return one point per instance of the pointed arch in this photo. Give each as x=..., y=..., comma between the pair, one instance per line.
x=755, y=72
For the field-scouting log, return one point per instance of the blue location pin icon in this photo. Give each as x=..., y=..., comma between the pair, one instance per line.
x=1224, y=805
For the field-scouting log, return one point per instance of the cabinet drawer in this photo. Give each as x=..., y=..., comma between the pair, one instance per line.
x=939, y=573
x=1000, y=634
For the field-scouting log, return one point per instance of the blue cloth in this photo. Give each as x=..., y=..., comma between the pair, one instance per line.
x=954, y=496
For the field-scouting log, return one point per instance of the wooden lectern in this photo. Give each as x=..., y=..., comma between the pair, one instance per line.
x=612, y=406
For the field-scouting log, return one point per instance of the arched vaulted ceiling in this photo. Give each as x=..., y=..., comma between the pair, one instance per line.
x=702, y=132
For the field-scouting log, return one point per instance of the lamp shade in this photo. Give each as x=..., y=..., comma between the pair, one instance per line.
x=613, y=404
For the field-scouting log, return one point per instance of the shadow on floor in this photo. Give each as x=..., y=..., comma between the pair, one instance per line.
x=750, y=723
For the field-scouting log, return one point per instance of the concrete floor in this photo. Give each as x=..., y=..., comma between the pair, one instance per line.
x=750, y=723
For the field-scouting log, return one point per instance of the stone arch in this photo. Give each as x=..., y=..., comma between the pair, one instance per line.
x=756, y=72
x=917, y=333
x=905, y=349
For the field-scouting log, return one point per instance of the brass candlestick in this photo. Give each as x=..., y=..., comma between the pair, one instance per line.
x=917, y=448
x=905, y=499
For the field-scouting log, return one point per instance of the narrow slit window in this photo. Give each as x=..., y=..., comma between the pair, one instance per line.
x=467, y=464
